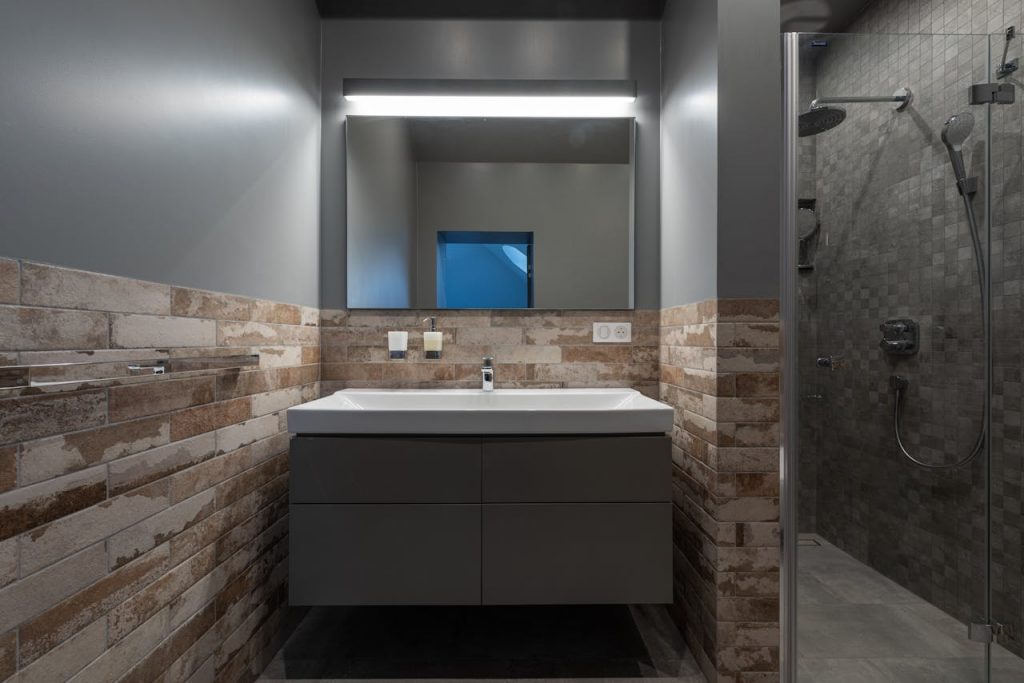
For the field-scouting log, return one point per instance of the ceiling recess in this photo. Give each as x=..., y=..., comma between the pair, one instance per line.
x=492, y=9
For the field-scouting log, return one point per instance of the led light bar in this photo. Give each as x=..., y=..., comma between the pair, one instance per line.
x=510, y=98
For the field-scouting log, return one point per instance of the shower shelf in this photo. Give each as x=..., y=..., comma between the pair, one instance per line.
x=19, y=376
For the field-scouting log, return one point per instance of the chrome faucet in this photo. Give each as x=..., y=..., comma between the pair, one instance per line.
x=487, y=371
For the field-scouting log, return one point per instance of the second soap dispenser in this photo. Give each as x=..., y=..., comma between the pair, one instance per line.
x=432, y=340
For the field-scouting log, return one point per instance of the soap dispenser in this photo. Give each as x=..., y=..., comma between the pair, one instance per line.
x=432, y=340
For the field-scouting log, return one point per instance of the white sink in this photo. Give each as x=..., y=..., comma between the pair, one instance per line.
x=472, y=411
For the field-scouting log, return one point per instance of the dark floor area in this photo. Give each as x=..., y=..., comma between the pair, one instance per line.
x=588, y=642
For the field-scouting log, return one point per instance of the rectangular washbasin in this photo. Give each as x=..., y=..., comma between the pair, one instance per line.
x=472, y=411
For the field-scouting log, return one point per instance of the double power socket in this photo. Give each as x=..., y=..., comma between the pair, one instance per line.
x=613, y=333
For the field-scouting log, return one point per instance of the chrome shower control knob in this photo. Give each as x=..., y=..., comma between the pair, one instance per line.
x=831, y=362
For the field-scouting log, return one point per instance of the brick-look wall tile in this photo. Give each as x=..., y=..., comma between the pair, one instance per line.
x=10, y=282
x=131, y=331
x=195, y=303
x=261, y=333
x=125, y=546
x=68, y=658
x=42, y=590
x=719, y=369
x=138, y=470
x=122, y=654
x=127, y=616
x=45, y=285
x=42, y=633
x=209, y=417
x=47, y=544
x=8, y=467
x=32, y=329
x=138, y=400
x=532, y=349
x=8, y=654
x=57, y=455
x=127, y=513
x=164, y=431
x=8, y=561
x=30, y=507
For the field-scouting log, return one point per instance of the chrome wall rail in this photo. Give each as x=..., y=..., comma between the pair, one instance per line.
x=14, y=376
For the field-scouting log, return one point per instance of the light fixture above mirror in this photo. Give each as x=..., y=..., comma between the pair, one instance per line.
x=490, y=98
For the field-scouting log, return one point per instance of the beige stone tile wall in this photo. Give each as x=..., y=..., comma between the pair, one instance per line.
x=720, y=370
x=143, y=520
x=539, y=349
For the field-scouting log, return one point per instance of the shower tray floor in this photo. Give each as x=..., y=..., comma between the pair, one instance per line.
x=855, y=625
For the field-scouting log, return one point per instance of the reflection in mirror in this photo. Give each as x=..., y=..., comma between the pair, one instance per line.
x=490, y=213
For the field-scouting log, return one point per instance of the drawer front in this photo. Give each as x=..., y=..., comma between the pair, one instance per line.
x=585, y=553
x=384, y=555
x=384, y=470
x=577, y=469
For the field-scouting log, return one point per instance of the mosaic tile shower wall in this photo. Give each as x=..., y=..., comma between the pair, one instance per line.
x=894, y=243
x=143, y=519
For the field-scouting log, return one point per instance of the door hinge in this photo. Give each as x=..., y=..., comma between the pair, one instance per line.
x=985, y=633
x=991, y=93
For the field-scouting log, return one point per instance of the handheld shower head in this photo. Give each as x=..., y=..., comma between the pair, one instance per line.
x=957, y=129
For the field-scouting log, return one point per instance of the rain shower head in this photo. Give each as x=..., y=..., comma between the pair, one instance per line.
x=957, y=129
x=823, y=116
x=820, y=119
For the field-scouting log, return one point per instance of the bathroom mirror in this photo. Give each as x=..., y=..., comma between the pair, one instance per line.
x=490, y=213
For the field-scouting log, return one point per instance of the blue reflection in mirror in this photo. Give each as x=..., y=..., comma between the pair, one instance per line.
x=477, y=269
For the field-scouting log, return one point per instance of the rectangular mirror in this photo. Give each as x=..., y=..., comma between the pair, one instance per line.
x=490, y=213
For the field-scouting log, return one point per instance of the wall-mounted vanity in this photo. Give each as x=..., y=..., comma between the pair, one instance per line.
x=457, y=497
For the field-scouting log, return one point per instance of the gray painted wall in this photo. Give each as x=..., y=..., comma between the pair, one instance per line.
x=491, y=49
x=171, y=141
x=689, y=154
x=579, y=214
x=749, y=148
x=381, y=186
x=721, y=156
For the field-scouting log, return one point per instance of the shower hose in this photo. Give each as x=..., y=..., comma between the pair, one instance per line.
x=900, y=384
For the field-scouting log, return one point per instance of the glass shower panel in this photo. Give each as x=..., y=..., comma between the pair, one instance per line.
x=892, y=559
x=1007, y=480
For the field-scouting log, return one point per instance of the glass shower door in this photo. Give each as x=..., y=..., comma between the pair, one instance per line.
x=1007, y=258
x=887, y=560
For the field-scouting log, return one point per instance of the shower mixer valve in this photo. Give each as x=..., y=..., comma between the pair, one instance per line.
x=899, y=337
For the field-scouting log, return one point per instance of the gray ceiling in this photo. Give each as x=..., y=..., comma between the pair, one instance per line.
x=830, y=16
x=797, y=15
x=493, y=9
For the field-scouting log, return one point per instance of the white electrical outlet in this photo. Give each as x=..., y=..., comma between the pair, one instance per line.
x=613, y=333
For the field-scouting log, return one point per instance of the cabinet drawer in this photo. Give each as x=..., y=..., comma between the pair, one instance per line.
x=603, y=553
x=384, y=555
x=577, y=469
x=384, y=470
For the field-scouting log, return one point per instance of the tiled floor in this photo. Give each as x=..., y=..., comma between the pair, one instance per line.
x=485, y=643
x=856, y=626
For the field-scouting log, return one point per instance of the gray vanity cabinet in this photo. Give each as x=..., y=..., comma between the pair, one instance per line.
x=480, y=520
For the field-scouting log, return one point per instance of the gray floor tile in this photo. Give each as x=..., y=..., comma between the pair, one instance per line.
x=855, y=625
x=838, y=671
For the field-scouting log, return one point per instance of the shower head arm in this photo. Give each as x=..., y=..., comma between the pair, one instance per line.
x=902, y=97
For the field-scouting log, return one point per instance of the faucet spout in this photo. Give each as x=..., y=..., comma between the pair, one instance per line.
x=487, y=373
